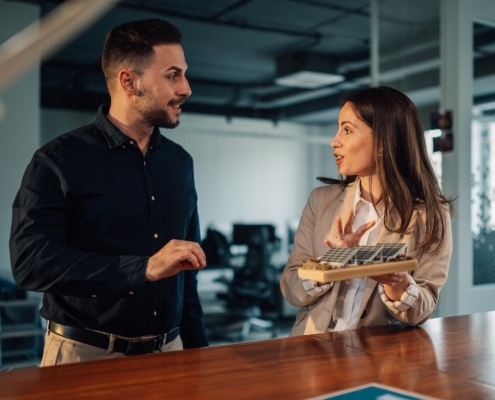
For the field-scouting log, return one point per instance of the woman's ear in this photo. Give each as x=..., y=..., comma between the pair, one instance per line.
x=380, y=151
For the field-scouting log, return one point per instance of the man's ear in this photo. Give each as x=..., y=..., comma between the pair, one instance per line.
x=127, y=80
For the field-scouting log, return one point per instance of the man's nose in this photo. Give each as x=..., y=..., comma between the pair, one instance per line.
x=185, y=89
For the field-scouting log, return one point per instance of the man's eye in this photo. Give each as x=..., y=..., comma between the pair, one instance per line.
x=172, y=77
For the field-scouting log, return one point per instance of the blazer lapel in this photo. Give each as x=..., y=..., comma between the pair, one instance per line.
x=346, y=203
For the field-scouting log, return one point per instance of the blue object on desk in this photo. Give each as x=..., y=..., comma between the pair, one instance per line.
x=373, y=392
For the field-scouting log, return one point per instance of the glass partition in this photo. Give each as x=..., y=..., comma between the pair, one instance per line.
x=482, y=155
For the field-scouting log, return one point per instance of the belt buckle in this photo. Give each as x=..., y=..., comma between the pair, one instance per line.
x=137, y=347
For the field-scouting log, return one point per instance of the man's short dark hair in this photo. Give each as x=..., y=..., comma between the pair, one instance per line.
x=132, y=44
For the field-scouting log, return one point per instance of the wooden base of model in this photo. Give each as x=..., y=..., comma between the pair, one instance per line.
x=358, y=271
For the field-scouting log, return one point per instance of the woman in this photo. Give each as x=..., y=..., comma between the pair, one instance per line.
x=388, y=192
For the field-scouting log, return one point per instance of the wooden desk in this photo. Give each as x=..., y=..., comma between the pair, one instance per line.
x=447, y=358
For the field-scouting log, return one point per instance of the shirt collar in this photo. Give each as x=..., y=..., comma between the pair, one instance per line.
x=357, y=194
x=357, y=198
x=114, y=135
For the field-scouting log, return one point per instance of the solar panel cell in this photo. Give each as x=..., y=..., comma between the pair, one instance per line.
x=368, y=254
x=393, y=250
x=340, y=256
x=364, y=254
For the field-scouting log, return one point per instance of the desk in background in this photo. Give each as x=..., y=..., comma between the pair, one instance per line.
x=451, y=358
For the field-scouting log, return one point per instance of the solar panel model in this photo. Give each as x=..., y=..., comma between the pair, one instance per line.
x=359, y=261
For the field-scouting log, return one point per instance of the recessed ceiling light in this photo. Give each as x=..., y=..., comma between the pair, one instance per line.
x=307, y=70
x=309, y=79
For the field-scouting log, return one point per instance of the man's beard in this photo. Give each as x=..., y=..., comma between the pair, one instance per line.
x=159, y=118
x=155, y=116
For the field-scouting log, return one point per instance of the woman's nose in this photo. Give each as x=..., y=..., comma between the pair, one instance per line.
x=335, y=142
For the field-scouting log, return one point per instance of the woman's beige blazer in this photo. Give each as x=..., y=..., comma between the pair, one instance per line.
x=318, y=219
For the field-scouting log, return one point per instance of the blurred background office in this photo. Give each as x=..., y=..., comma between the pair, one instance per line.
x=266, y=76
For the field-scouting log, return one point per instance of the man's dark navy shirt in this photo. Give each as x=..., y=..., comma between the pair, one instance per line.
x=90, y=212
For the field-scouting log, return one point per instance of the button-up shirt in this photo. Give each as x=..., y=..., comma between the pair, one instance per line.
x=90, y=212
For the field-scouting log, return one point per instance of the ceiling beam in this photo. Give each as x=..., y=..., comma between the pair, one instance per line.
x=229, y=9
x=362, y=11
x=229, y=23
x=357, y=11
x=174, y=13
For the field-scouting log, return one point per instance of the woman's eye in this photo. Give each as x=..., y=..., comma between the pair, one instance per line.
x=347, y=130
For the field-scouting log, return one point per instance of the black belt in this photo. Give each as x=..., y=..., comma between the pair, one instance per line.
x=128, y=347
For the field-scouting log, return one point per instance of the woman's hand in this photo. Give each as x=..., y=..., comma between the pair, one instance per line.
x=345, y=237
x=394, y=284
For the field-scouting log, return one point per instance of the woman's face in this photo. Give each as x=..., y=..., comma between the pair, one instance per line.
x=353, y=144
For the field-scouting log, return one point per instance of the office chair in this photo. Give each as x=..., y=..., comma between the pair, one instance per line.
x=217, y=249
x=252, y=288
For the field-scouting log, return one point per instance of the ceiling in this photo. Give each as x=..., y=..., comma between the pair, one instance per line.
x=231, y=48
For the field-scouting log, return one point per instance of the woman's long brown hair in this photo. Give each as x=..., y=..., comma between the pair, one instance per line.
x=406, y=175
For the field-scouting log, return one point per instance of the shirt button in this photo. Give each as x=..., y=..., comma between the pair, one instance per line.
x=94, y=295
x=153, y=198
x=131, y=292
x=123, y=147
x=154, y=313
x=156, y=235
x=131, y=142
x=145, y=163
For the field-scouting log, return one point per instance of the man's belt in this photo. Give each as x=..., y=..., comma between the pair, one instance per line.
x=114, y=343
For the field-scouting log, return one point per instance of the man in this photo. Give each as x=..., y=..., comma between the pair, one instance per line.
x=105, y=222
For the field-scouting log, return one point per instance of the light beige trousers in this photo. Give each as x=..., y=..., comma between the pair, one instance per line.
x=60, y=350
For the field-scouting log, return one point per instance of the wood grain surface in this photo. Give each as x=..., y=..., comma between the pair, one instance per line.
x=451, y=358
x=463, y=346
x=359, y=271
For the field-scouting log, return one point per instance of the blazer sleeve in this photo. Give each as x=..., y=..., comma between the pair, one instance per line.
x=290, y=283
x=431, y=275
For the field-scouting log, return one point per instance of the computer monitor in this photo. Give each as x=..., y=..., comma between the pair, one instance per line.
x=244, y=232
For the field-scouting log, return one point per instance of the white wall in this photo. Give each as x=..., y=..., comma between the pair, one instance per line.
x=19, y=126
x=246, y=170
x=322, y=161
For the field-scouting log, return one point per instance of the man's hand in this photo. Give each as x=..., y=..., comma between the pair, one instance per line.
x=394, y=284
x=175, y=256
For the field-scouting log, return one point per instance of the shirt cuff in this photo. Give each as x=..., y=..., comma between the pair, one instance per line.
x=407, y=299
x=130, y=275
x=311, y=287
